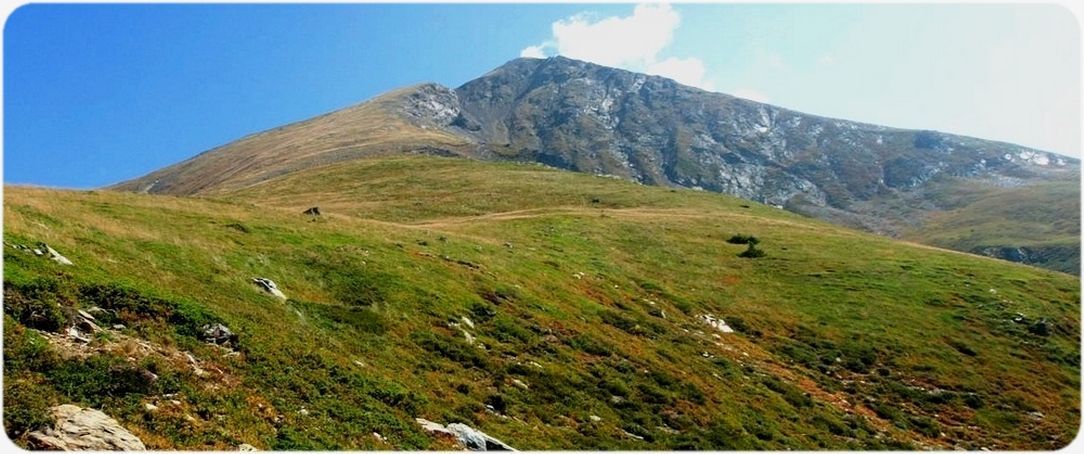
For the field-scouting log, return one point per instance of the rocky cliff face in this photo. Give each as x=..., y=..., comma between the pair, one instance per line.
x=589, y=118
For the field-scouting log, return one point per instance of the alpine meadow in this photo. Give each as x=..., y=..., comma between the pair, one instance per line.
x=555, y=255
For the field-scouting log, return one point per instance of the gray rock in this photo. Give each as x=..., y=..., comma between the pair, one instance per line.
x=471, y=438
x=246, y=447
x=218, y=333
x=53, y=254
x=77, y=335
x=269, y=286
x=84, y=429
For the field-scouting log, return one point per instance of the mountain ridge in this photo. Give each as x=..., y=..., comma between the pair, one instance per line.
x=585, y=117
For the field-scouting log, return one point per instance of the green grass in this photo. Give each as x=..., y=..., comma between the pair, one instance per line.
x=1040, y=218
x=844, y=340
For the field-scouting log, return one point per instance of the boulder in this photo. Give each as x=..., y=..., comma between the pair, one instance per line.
x=218, y=333
x=716, y=323
x=268, y=286
x=314, y=211
x=471, y=438
x=246, y=447
x=84, y=429
x=53, y=254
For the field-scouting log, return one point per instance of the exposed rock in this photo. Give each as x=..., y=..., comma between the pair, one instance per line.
x=594, y=418
x=150, y=407
x=86, y=315
x=432, y=427
x=218, y=333
x=468, y=322
x=269, y=286
x=77, y=335
x=314, y=211
x=53, y=254
x=519, y=383
x=716, y=323
x=84, y=429
x=246, y=447
x=471, y=438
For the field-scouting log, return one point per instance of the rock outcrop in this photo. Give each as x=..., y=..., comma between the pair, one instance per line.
x=471, y=438
x=217, y=333
x=269, y=286
x=84, y=429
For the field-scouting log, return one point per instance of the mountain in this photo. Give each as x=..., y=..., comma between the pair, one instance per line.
x=548, y=309
x=589, y=118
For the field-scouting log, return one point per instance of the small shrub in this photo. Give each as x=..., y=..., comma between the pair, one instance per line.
x=743, y=239
x=37, y=304
x=752, y=252
x=26, y=407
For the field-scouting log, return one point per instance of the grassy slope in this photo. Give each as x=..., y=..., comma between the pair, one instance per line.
x=1038, y=217
x=372, y=127
x=845, y=339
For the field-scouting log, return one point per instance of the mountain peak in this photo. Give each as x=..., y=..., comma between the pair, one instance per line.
x=585, y=117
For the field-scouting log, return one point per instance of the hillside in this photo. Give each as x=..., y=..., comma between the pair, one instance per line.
x=594, y=119
x=549, y=309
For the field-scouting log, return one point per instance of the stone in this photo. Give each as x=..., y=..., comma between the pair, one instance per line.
x=87, y=325
x=86, y=315
x=77, y=335
x=217, y=333
x=519, y=383
x=468, y=322
x=150, y=407
x=471, y=438
x=595, y=418
x=246, y=447
x=269, y=286
x=432, y=427
x=53, y=254
x=84, y=429
x=716, y=323
x=314, y=211
x=118, y=326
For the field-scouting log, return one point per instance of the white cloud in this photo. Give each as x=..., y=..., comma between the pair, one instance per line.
x=631, y=42
x=751, y=94
x=689, y=71
x=533, y=51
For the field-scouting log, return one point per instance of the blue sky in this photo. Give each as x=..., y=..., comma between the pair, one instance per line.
x=95, y=94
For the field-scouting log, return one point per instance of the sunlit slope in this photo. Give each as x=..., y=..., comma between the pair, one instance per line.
x=1035, y=224
x=374, y=127
x=585, y=294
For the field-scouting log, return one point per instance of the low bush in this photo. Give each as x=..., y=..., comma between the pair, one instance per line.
x=752, y=252
x=743, y=239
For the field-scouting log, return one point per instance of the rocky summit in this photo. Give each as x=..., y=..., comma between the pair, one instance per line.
x=584, y=117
